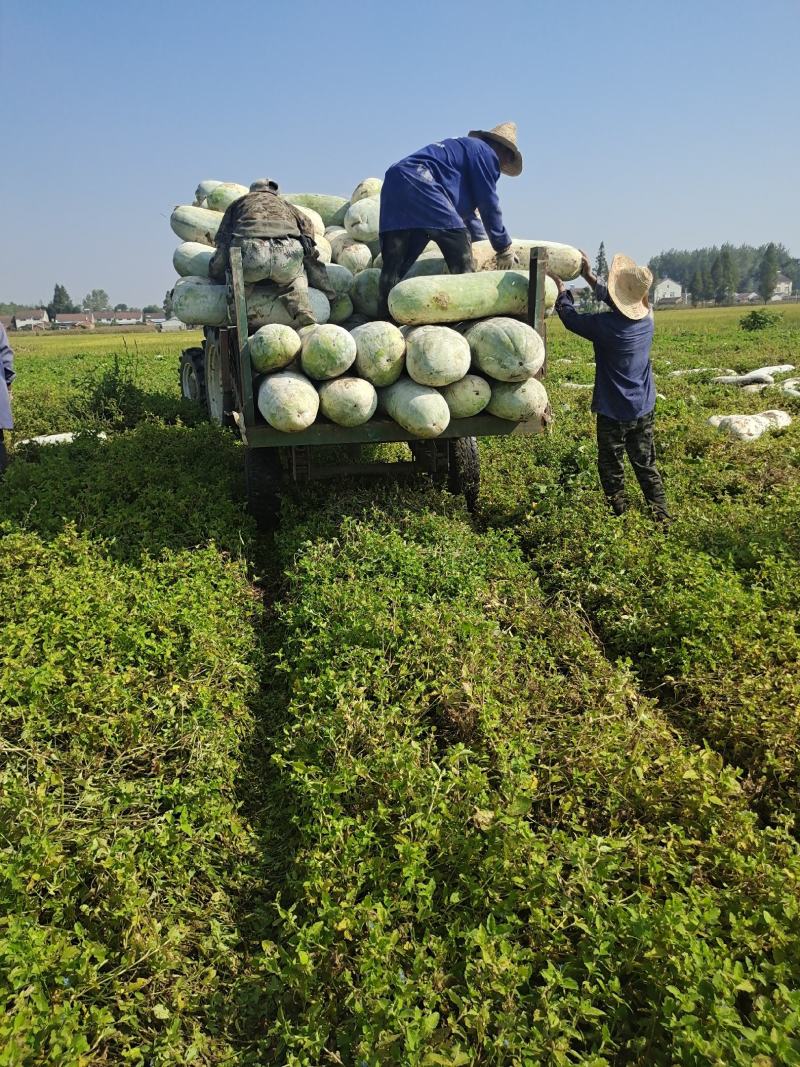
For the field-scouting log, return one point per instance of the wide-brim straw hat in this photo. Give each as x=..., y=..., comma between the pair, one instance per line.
x=628, y=286
x=506, y=135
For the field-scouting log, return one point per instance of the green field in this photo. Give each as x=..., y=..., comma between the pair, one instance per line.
x=400, y=786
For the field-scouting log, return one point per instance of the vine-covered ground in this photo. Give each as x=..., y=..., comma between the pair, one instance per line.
x=399, y=786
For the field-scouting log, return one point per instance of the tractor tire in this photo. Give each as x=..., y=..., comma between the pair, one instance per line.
x=219, y=401
x=264, y=482
x=465, y=470
x=192, y=372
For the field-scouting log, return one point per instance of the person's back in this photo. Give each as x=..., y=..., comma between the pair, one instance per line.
x=434, y=194
x=624, y=395
x=441, y=185
x=623, y=386
x=262, y=214
x=277, y=243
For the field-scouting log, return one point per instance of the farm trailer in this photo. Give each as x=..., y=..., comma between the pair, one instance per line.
x=219, y=376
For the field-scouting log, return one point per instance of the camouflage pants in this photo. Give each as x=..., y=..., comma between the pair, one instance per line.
x=293, y=265
x=635, y=438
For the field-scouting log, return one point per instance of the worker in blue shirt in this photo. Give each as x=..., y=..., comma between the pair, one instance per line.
x=6, y=378
x=624, y=395
x=433, y=195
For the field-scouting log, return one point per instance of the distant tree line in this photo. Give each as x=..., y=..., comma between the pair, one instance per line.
x=717, y=273
x=62, y=304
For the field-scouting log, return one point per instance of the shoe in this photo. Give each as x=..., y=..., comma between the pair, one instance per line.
x=661, y=517
x=618, y=503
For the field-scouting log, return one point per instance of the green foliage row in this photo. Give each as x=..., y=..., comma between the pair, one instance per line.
x=502, y=852
x=516, y=792
x=707, y=616
x=124, y=690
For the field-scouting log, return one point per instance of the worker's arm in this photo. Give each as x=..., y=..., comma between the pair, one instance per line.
x=484, y=189
x=304, y=223
x=6, y=357
x=600, y=289
x=475, y=227
x=583, y=325
x=218, y=264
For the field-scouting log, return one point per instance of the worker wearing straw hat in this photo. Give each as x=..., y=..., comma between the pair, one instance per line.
x=624, y=395
x=433, y=194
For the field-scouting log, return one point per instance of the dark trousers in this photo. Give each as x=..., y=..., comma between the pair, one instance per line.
x=401, y=249
x=614, y=439
x=3, y=454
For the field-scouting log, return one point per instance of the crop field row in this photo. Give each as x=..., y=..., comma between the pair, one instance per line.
x=400, y=786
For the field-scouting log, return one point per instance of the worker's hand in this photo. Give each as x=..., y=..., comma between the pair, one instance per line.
x=586, y=266
x=559, y=283
x=507, y=259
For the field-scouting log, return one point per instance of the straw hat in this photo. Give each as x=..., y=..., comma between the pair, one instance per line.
x=506, y=135
x=628, y=286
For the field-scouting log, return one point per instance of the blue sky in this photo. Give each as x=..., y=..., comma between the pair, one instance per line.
x=647, y=126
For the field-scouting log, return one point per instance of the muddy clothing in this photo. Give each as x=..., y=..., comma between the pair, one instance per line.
x=265, y=217
x=260, y=215
x=635, y=437
x=400, y=249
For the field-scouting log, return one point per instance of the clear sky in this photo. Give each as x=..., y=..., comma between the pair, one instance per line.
x=645, y=125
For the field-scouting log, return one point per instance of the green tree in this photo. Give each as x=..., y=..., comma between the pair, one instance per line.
x=584, y=298
x=768, y=273
x=120, y=307
x=150, y=309
x=696, y=286
x=716, y=280
x=97, y=300
x=61, y=303
x=167, y=305
x=601, y=263
x=728, y=277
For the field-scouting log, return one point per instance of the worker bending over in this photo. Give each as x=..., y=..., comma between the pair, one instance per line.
x=433, y=195
x=277, y=243
x=624, y=395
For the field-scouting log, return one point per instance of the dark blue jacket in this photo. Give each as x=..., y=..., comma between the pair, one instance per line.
x=439, y=187
x=623, y=381
x=6, y=378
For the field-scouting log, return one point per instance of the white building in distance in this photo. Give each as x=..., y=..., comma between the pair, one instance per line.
x=667, y=289
x=783, y=287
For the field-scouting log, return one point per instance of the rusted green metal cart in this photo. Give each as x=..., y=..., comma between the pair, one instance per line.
x=220, y=376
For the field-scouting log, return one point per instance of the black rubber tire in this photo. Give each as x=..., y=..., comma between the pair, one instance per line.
x=219, y=401
x=192, y=376
x=263, y=475
x=465, y=470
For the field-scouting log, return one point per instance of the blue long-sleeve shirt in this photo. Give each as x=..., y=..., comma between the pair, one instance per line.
x=624, y=388
x=6, y=378
x=441, y=185
x=476, y=228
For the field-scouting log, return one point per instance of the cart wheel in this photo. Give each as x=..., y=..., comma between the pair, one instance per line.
x=432, y=456
x=263, y=475
x=465, y=470
x=193, y=375
x=219, y=401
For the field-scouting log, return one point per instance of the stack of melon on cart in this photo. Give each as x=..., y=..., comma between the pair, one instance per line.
x=462, y=346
